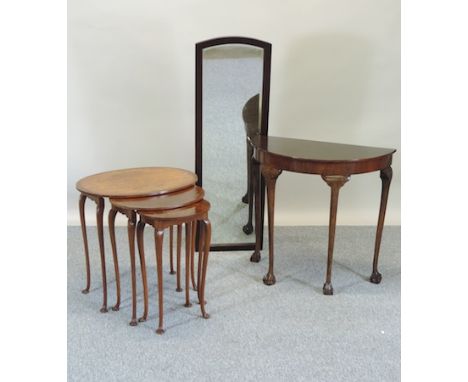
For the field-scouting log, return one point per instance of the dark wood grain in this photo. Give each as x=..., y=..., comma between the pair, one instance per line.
x=271, y=175
x=386, y=176
x=335, y=162
x=322, y=158
x=335, y=182
x=256, y=256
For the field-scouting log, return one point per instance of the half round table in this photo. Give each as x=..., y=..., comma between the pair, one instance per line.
x=335, y=163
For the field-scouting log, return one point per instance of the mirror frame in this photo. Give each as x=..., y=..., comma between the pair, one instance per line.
x=199, y=47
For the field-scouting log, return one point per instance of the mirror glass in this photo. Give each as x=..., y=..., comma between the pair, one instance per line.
x=232, y=85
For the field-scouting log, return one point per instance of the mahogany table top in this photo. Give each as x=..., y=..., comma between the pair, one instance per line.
x=318, y=151
x=324, y=158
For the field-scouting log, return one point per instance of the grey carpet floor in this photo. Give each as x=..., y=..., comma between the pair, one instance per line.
x=285, y=332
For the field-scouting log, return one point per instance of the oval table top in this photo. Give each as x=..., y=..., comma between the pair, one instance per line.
x=191, y=211
x=162, y=202
x=137, y=182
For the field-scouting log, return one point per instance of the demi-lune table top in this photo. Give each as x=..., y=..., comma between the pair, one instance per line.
x=137, y=182
x=318, y=157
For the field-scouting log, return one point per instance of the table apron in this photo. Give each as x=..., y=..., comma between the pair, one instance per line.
x=325, y=168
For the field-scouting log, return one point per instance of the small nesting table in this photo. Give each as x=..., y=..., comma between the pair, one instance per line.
x=172, y=209
x=126, y=183
x=335, y=163
x=189, y=216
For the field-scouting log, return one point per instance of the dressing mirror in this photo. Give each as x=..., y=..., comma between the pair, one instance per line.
x=232, y=83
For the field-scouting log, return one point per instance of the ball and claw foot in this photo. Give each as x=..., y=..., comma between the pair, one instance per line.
x=188, y=305
x=133, y=323
x=172, y=272
x=245, y=198
x=327, y=289
x=206, y=316
x=179, y=289
x=269, y=279
x=376, y=278
x=142, y=319
x=116, y=308
x=160, y=331
x=248, y=229
x=103, y=309
x=85, y=291
x=255, y=258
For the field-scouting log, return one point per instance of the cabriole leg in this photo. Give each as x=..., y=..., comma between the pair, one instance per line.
x=179, y=250
x=85, y=242
x=248, y=228
x=201, y=243
x=192, y=254
x=112, y=214
x=245, y=198
x=270, y=174
x=255, y=258
x=335, y=182
x=100, y=230
x=171, y=250
x=158, y=238
x=141, y=252
x=188, y=251
x=206, y=252
x=131, y=242
x=386, y=176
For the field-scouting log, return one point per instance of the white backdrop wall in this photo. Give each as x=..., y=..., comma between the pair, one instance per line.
x=335, y=77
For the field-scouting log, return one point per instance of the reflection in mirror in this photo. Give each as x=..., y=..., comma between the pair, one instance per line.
x=232, y=92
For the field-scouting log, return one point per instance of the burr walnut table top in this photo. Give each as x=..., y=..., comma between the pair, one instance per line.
x=162, y=202
x=137, y=182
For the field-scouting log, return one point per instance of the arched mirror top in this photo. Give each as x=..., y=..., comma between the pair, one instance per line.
x=233, y=40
